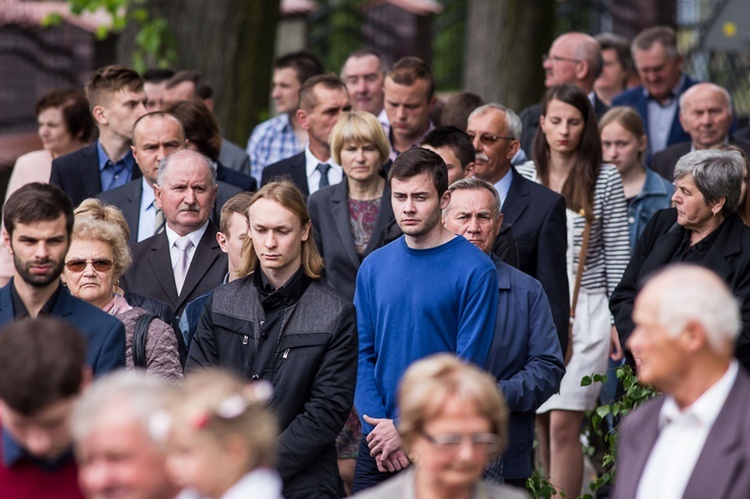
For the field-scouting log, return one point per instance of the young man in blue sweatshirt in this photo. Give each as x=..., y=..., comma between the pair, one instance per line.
x=429, y=291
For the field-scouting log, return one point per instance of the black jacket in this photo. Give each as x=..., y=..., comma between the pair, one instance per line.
x=729, y=257
x=313, y=370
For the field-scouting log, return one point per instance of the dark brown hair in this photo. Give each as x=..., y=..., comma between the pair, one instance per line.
x=304, y=64
x=110, y=79
x=578, y=189
x=203, y=87
x=409, y=69
x=201, y=126
x=416, y=161
x=74, y=108
x=41, y=362
x=37, y=202
x=307, y=98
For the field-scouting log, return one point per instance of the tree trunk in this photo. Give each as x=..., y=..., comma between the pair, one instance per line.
x=505, y=40
x=232, y=43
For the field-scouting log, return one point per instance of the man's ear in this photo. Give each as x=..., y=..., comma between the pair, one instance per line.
x=301, y=116
x=87, y=379
x=6, y=240
x=445, y=200
x=157, y=196
x=470, y=170
x=222, y=240
x=100, y=115
x=513, y=148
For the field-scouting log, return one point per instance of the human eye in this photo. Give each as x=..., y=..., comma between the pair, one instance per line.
x=399, y=197
x=449, y=441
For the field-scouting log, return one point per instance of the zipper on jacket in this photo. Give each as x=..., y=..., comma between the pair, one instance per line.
x=244, y=340
x=286, y=354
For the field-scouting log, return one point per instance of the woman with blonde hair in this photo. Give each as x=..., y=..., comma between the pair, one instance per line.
x=453, y=422
x=97, y=258
x=280, y=323
x=351, y=218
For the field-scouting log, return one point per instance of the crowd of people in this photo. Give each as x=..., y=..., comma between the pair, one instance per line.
x=379, y=296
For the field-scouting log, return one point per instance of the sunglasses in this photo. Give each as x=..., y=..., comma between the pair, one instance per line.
x=487, y=139
x=99, y=265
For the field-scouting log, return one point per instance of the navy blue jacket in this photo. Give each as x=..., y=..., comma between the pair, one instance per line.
x=105, y=335
x=526, y=359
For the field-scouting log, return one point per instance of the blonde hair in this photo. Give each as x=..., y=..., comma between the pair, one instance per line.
x=359, y=127
x=97, y=221
x=220, y=405
x=429, y=383
x=629, y=119
x=287, y=195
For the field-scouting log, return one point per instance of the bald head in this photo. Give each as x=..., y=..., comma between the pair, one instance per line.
x=573, y=58
x=706, y=114
x=155, y=136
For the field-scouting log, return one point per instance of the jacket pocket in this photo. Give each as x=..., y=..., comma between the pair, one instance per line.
x=302, y=345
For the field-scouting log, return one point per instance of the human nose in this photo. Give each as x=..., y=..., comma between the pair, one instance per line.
x=609, y=152
x=477, y=142
x=474, y=226
x=676, y=197
x=409, y=206
x=38, y=442
x=361, y=87
x=95, y=476
x=401, y=113
x=275, y=93
x=41, y=251
x=271, y=240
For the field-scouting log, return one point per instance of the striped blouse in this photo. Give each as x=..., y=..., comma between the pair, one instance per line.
x=609, y=249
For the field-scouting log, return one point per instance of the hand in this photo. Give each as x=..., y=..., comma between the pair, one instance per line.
x=615, y=349
x=383, y=440
x=397, y=461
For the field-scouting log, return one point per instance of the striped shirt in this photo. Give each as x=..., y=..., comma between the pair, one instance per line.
x=609, y=249
x=272, y=141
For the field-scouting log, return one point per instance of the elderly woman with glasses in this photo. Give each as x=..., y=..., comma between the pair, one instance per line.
x=453, y=422
x=703, y=229
x=97, y=258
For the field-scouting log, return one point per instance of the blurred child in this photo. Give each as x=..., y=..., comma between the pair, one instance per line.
x=222, y=438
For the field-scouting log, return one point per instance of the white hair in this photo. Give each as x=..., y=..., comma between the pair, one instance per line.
x=513, y=124
x=696, y=294
x=165, y=163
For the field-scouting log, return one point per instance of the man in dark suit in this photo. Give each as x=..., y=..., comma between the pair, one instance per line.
x=536, y=214
x=155, y=136
x=38, y=222
x=116, y=99
x=185, y=260
x=659, y=65
x=694, y=440
x=322, y=98
x=706, y=114
x=573, y=58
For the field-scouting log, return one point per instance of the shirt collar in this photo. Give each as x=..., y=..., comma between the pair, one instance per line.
x=19, y=307
x=14, y=453
x=147, y=196
x=502, y=186
x=282, y=123
x=103, y=158
x=194, y=236
x=312, y=162
x=707, y=407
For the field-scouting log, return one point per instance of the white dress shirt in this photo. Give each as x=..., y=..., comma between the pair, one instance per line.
x=147, y=216
x=335, y=173
x=502, y=186
x=681, y=439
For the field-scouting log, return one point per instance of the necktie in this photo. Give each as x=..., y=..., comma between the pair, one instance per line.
x=158, y=220
x=183, y=244
x=323, y=169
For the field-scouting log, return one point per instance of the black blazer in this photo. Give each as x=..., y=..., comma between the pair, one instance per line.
x=292, y=168
x=537, y=215
x=729, y=257
x=235, y=178
x=530, y=121
x=128, y=199
x=664, y=161
x=151, y=272
x=77, y=174
x=329, y=211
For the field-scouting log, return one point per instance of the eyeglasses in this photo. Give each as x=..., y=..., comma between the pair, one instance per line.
x=487, y=139
x=488, y=443
x=101, y=265
x=557, y=58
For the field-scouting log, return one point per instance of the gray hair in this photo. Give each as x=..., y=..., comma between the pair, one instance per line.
x=512, y=121
x=466, y=184
x=696, y=294
x=663, y=35
x=690, y=91
x=134, y=392
x=717, y=174
x=185, y=154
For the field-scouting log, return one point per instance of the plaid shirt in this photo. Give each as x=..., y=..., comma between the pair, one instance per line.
x=272, y=141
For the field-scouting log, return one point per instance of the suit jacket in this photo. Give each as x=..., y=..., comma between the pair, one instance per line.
x=723, y=467
x=128, y=199
x=664, y=161
x=235, y=178
x=637, y=99
x=537, y=215
x=729, y=257
x=530, y=121
x=234, y=157
x=332, y=230
x=77, y=174
x=105, y=335
x=293, y=168
x=151, y=272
